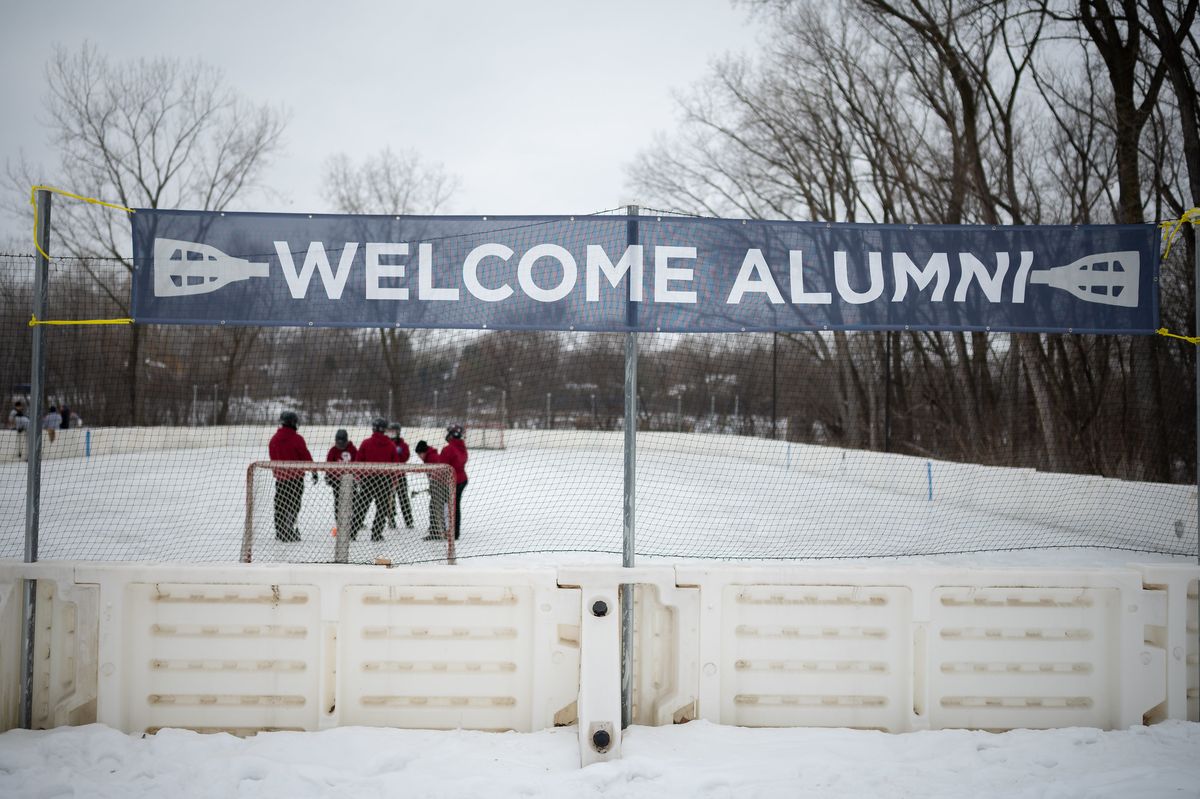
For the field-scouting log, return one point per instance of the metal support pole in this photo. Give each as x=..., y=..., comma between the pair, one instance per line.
x=344, y=485
x=33, y=474
x=549, y=417
x=628, y=542
x=1195, y=242
x=774, y=381
x=1196, y=353
x=887, y=391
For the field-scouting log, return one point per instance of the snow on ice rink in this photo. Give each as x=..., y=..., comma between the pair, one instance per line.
x=540, y=505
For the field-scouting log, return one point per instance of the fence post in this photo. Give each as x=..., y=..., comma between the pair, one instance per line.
x=1196, y=277
x=343, y=484
x=628, y=543
x=33, y=473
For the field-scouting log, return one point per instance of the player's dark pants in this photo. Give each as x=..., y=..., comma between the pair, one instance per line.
x=458, y=492
x=372, y=489
x=288, y=494
x=405, y=503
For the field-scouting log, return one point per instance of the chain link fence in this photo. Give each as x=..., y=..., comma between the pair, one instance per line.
x=797, y=445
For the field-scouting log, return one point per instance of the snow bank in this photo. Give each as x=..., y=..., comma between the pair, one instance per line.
x=693, y=760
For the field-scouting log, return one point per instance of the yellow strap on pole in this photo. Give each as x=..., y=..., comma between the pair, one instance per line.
x=1162, y=331
x=92, y=200
x=34, y=321
x=1173, y=226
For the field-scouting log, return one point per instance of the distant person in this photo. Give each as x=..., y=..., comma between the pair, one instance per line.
x=76, y=422
x=439, y=494
x=374, y=488
x=65, y=413
x=17, y=418
x=288, y=445
x=455, y=454
x=51, y=422
x=401, y=482
x=342, y=451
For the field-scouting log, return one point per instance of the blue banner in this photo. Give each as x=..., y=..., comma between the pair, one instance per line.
x=644, y=273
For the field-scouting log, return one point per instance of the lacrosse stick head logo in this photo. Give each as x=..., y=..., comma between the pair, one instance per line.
x=1107, y=278
x=184, y=268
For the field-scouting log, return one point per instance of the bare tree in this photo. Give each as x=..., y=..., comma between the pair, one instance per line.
x=151, y=133
x=984, y=111
x=389, y=183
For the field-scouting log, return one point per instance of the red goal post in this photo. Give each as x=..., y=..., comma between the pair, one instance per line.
x=393, y=512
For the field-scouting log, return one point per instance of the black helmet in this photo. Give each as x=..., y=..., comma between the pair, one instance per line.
x=394, y=426
x=289, y=419
x=379, y=424
x=421, y=446
x=341, y=437
x=454, y=431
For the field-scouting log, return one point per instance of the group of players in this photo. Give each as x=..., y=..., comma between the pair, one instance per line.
x=381, y=490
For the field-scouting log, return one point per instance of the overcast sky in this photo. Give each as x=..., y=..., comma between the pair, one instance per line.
x=537, y=106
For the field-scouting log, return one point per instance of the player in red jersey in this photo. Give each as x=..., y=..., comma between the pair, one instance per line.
x=288, y=445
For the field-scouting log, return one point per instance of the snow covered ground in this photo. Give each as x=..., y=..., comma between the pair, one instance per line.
x=693, y=760
x=189, y=505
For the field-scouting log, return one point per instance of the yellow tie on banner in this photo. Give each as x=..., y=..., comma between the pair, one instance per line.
x=33, y=320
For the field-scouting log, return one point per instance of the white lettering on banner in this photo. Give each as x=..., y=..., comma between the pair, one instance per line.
x=991, y=284
x=664, y=273
x=796, y=278
x=376, y=271
x=1022, y=276
x=754, y=276
x=386, y=279
x=598, y=262
x=875, y=261
x=317, y=258
x=471, y=272
x=938, y=267
x=570, y=272
x=425, y=288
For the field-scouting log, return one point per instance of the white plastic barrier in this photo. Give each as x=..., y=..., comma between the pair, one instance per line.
x=1179, y=637
x=258, y=648
x=902, y=650
x=10, y=653
x=249, y=648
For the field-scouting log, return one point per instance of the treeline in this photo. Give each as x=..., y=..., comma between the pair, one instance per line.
x=936, y=112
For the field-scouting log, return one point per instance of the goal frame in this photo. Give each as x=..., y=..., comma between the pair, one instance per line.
x=441, y=472
x=484, y=436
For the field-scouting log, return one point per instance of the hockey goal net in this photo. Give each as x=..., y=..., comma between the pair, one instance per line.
x=484, y=436
x=303, y=512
